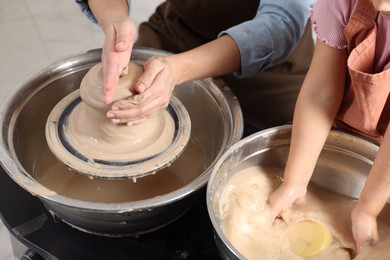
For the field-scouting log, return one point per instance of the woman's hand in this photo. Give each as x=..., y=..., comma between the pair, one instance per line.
x=364, y=228
x=284, y=197
x=117, y=47
x=155, y=88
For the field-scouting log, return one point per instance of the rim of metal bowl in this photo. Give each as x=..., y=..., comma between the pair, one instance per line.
x=370, y=148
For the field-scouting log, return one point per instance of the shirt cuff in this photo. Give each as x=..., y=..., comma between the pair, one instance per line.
x=84, y=7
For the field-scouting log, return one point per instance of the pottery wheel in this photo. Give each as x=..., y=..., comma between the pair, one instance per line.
x=83, y=138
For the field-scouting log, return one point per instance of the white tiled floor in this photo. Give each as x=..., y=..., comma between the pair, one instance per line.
x=35, y=33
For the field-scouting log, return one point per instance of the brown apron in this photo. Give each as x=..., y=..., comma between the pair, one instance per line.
x=365, y=107
x=268, y=98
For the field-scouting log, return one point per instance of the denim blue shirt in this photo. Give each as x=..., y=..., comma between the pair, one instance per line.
x=271, y=36
x=84, y=7
x=267, y=39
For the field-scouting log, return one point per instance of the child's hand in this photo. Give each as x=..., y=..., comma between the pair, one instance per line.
x=117, y=47
x=364, y=228
x=284, y=197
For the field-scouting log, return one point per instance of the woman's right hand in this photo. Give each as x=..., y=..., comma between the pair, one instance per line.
x=116, y=52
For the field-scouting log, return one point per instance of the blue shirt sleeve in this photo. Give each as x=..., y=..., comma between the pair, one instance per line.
x=271, y=36
x=84, y=7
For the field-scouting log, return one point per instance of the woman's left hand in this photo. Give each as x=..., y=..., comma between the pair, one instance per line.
x=155, y=88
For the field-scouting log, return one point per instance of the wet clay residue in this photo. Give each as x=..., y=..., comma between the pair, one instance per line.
x=243, y=214
x=82, y=137
x=91, y=133
x=54, y=175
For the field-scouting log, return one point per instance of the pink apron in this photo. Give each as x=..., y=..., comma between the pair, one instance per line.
x=365, y=106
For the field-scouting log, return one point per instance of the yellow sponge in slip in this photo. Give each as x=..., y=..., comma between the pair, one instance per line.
x=308, y=237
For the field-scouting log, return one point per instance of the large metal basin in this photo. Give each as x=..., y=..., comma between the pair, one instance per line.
x=342, y=168
x=216, y=124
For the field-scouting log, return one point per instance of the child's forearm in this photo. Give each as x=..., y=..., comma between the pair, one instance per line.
x=315, y=111
x=376, y=190
x=108, y=11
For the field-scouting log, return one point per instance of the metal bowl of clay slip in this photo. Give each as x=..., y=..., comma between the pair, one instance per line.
x=83, y=138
